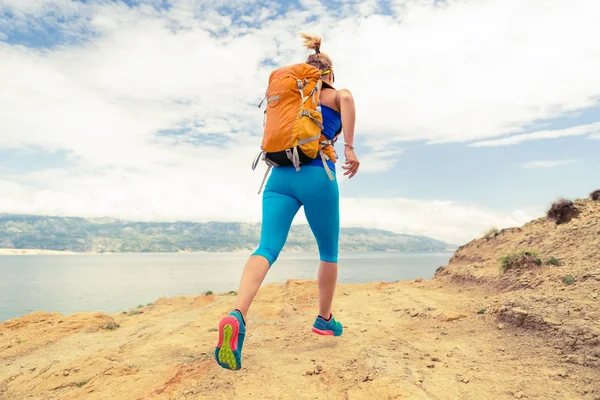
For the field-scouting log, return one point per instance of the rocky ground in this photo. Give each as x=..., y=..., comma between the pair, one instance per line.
x=472, y=332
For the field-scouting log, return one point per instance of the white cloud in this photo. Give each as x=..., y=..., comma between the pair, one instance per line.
x=171, y=196
x=376, y=161
x=579, y=130
x=35, y=7
x=457, y=72
x=443, y=220
x=547, y=164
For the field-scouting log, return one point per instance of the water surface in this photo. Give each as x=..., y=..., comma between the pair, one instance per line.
x=116, y=282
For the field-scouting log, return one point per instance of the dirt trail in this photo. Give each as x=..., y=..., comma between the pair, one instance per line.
x=419, y=340
x=472, y=332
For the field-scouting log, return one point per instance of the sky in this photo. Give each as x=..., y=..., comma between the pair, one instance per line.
x=471, y=114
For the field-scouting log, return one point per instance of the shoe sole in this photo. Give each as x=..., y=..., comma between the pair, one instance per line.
x=323, y=333
x=226, y=353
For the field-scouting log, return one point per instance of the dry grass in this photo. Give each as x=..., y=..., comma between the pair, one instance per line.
x=562, y=211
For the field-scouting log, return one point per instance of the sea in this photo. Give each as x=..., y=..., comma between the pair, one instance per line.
x=117, y=282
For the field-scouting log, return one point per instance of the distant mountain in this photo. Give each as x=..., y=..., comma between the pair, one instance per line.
x=113, y=235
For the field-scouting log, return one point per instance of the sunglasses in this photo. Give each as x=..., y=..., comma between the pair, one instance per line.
x=332, y=74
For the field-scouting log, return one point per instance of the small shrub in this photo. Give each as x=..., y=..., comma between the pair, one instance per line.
x=492, y=233
x=522, y=259
x=562, y=211
x=595, y=195
x=553, y=261
x=481, y=310
x=140, y=306
x=208, y=293
x=134, y=312
x=568, y=279
x=233, y=293
x=82, y=383
x=111, y=326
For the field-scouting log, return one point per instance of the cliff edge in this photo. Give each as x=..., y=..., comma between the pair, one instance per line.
x=515, y=314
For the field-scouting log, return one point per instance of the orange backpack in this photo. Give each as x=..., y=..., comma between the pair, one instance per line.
x=293, y=120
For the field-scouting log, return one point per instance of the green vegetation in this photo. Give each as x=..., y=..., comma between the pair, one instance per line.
x=481, y=310
x=208, y=293
x=112, y=235
x=568, y=279
x=492, y=233
x=521, y=259
x=595, y=195
x=82, y=383
x=553, y=261
x=111, y=326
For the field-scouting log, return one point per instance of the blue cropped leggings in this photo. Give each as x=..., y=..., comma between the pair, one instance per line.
x=285, y=192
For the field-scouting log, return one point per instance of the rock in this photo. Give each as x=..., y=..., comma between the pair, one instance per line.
x=368, y=378
x=561, y=372
x=575, y=359
x=419, y=280
x=501, y=326
x=319, y=367
x=466, y=380
x=435, y=359
x=520, y=311
x=519, y=395
x=550, y=321
x=66, y=373
x=309, y=372
x=430, y=365
x=451, y=316
x=414, y=313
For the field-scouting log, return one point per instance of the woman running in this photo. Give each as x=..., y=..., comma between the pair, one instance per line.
x=285, y=192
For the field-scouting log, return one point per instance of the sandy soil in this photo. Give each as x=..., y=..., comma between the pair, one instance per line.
x=469, y=333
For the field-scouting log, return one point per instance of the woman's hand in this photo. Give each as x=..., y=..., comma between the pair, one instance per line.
x=352, y=162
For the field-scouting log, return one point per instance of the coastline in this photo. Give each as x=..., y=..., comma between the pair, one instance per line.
x=15, y=252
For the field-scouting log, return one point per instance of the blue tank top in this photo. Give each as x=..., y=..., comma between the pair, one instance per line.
x=332, y=122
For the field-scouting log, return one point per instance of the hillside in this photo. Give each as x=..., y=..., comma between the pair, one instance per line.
x=474, y=331
x=558, y=300
x=112, y=235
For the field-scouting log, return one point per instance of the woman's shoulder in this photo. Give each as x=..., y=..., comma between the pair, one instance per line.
x=342, y=95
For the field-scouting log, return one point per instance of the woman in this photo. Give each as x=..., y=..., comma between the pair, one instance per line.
x=285, y=192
